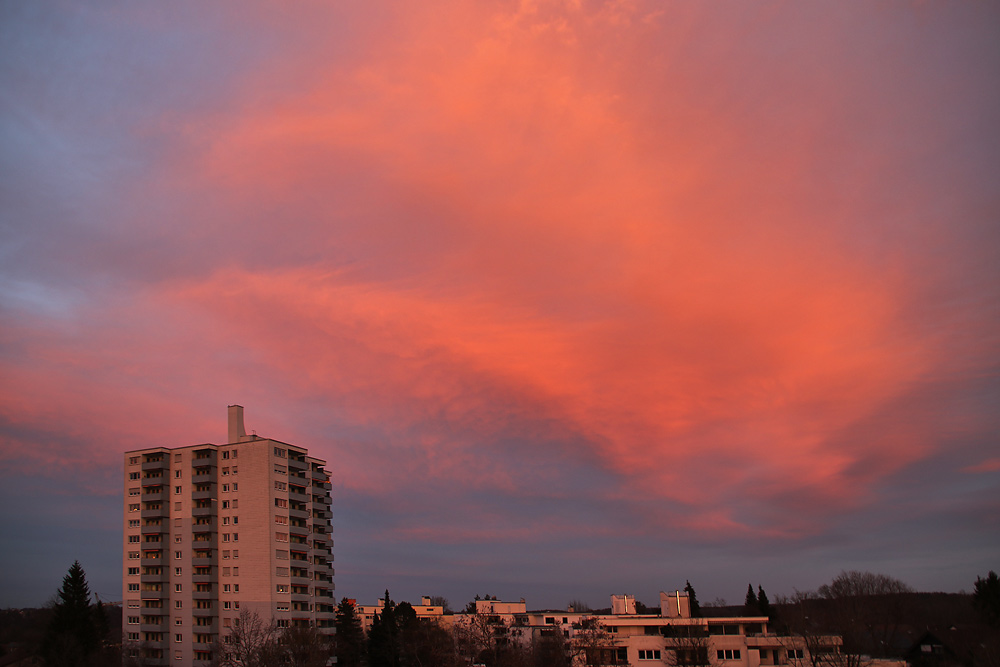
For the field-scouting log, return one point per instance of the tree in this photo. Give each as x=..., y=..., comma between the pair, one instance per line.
x=751, y=605
x=304, y=646
x=423, y=642
x=251, y=642
x=866, y=610
x=762, y=602
x=592, y=644
x=350, y=638
x=383, y=637
x=74, y=634
x=986, y=598
x=686, y=645
x=439, y=601
x=692, y=599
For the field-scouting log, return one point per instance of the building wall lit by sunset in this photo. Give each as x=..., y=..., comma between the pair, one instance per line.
x=214, y=530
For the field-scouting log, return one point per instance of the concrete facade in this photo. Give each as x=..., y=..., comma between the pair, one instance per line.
x=212, y=530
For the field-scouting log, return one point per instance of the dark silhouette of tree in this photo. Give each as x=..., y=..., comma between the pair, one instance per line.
x=350, y=638
x=986, y=598
x=439, y=601
x=383, y=637
x=866, y=609
x=252, y=642
x=763, y=604
x=751, y=605
x=74, y=634
x=423, y=643
x=305, y=646
x=692, y=599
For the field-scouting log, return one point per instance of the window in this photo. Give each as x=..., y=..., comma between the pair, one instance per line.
x=236, y=520
x=234, y=470
x=177, y=588
x=177, y=474
x=226, y=604
x=236, y=553
x=225, y=472
x=225, y=588
x=225, y=537
x=280, y=502
x=279, y=452
x=280, y=469
x=133, y=570
x=236, y=504
x=133, y=620
x=177, y=571
x=133, y=507
x=281, y=554
x=133, y=523
x=282, y=572
x=178, y=457
x=225, y=488
x=178, y=604
x=236, y=486
x=282, y=588
x=133, y=555
x=225, y=521
x=225, y=572
x=281, y=537
x=649, y=654
x=236, y=571
x=225, y=554
x=280, y=486
x=225, y=504
x=133, y=588
x=133, y=539
x=236, y=537
x=728, y=654
x=133, y=460
x=235, y=452
x=177, y=539
x=236, y=588
x=178, y=621
x=281, y=520
x=281, y=606
x=225, y=454
x=177, y=555
x=795, y=654
x=133, y=475
x=178, y=637
x=177, y=489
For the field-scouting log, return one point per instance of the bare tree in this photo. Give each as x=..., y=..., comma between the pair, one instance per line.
x=252, y=642
x=305, y=647
x=593, y=645
x=686, y=645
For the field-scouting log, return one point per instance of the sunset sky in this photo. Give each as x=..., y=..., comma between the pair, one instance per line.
x=576, y=297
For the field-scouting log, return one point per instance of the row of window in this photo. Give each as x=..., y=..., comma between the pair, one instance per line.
x=178, y=457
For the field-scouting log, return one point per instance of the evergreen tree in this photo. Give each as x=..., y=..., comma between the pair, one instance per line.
x=383, y=638
x=750, y=604
x=73, y=635
x=350, y=638
x=986, y=597
x=762, y=602
x=692, y=599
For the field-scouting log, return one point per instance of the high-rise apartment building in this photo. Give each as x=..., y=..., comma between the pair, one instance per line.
x=214, y=530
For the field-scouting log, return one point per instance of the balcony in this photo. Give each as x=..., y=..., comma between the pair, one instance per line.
x=203, y=495
x=154, y=578
x=203, y=475
x=153, y=481
x=209, y=578
x=205, y=595
x=162, y=464
x=150, y=627
x=154, y=529
x=157, y=513
x=204, y=511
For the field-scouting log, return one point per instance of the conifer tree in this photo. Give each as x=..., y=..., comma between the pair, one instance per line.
x=692, y=600
x=762, y=602
x=350, y=638
x=750, y=603
x=73, y=636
